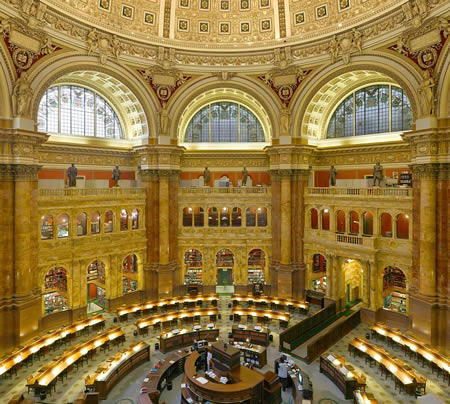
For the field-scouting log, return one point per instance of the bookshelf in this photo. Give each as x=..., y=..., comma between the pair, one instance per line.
x=253, y=355
x=193, y=267
x=46, y=227
x=101, y=297
x=54, y=302
x=96, y=271
x=56, y=278
x=129, y=285
x=130, y=264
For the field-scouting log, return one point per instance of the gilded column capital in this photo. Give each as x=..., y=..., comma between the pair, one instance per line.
x=444, y=172
x=148, y=174
x=19, y=172
x=425, y=171
x=275, y=175
x=286, y=174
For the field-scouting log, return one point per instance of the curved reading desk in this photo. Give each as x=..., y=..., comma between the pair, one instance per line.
x=248, y=386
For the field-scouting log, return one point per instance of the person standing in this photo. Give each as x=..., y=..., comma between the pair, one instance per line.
x=282, y=373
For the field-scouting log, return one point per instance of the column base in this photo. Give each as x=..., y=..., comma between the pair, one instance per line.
x=429, y=322
x=21, y=317
x=128, y=299
x=166, y=280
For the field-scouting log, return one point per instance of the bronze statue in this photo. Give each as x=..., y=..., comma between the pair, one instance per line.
x=333, y=174
x=244, y=177
x=206, y=177
x=377, y=174
x=72, y=173
x=116, y=176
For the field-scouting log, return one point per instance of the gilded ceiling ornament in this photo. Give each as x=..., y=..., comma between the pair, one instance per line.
x=415, y=11
x=344, y=45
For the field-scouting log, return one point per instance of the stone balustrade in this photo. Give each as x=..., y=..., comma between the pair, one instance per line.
x=374, y=192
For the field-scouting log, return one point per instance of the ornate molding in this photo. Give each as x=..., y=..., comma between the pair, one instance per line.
x=19, y=172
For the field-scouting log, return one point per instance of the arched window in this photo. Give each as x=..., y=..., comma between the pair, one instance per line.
x=193, y=267
x=109, y=221
x=74, y=110
x=46, y=227
x=394, y=289
x=213, y=217
x=367, y=224
x=366, y=111
x=123, y=220
x=224, y=122
x=325, y=219
x=199, y=217
x=402, y=226
x=225, y=217
x=82, y=224
x=130, y=269
x=261, y=216
x=63, y=225
x=314, y=219
x=354, y=222
x=95, y=223
x=135, y=219
x=386, y=225
x=236, y=217
x=187, y=217
x=256, y=266
x=340, y=221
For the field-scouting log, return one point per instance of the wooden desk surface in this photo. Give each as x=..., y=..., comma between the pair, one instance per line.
x=362, y=397
x=46, y=340
x=158, y=303
x=154, y=377
x=267, y=299
x=186, y=330
x=106, y=368
x=262, y=313
x=428, y=353
x=159, y=318
x=339, y=362
x=48, y=372
x=392, y=364
x=246, y=378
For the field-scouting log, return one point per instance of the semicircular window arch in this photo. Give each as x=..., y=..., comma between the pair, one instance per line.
x=224, y=122
x=77, y=111
x=381, y=108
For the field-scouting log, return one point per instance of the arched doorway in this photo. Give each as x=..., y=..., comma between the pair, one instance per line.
x=395, y=295
x=96, y=294
x=130, y=274
x=319, y=273
x=353, y=280
x=193, y=263
x=224, y=264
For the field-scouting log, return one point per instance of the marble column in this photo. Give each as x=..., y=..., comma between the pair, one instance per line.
x=276, y=228
x=372, y=270
x=427, y=260
x=285, y=210
x=20, y=292
x=164, y=246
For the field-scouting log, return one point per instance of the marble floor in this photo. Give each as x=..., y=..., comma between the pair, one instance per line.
x=125, y=392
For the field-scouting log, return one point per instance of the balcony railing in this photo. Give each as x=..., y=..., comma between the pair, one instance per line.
x=224, y=190
x=73, y=192
x=341, y=238
x=370, y=192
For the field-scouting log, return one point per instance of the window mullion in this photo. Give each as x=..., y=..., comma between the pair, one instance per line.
x=354, y=114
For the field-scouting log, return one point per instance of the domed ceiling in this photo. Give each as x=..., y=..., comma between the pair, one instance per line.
x=224, y=23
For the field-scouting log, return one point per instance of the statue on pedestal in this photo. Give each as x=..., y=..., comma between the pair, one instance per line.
x=333, y=174
x=206, y=177
x=377, y=174
x=72, y=173
x=116, y=176
x=244, y=177
x=21, y=97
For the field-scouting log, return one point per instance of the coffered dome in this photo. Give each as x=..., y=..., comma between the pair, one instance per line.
x=224, y=24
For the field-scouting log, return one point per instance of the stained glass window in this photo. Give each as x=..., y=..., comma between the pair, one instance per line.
x=224, y=122
x=73, y=110
x=374, y=109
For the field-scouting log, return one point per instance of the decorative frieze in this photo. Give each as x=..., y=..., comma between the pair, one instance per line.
x=19, y=172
